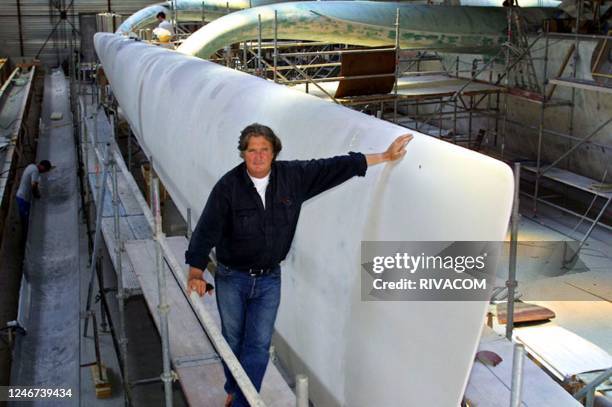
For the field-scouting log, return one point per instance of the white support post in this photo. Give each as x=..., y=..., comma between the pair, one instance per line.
x=301, y=390
x=517, y=376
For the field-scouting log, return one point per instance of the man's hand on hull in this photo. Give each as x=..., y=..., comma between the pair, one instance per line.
x=397, y=149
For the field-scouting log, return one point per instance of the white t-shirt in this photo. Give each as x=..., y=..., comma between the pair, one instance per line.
x=166, y=25
x=30, y=175
x=260, y=185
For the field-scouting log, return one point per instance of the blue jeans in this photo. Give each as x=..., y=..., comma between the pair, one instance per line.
x=24, y=211
x=247, y=306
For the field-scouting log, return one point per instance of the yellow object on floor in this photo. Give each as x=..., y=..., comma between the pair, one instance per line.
x=100, y=378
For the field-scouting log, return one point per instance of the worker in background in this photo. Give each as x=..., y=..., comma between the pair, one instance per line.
x=250, y=218
x=28, y=188
x=163, y=24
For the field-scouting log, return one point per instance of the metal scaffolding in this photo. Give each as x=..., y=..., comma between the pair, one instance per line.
x=551, y=171
x=314, y=67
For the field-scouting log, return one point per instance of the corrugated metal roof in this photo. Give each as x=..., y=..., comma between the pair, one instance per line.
x=39, y=17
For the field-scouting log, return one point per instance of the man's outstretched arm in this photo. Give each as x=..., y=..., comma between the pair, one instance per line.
x=322, y=174
x=396, y=150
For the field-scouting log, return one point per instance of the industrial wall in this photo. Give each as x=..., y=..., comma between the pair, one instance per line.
x=25, y=25
x=591, y=110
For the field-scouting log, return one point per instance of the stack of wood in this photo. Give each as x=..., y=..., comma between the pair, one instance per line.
x=524, y=312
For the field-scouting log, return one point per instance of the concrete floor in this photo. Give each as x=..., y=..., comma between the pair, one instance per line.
x=587, y=314
x=581, y=298
x=585, y=306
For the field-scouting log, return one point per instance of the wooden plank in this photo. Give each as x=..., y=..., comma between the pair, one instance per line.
x=574, y=180
x=589, y=319
x=563, y=351
x=524, y=312
x=128, y=202
x=183, y=323
x=108, y=204
x=193, y=356
x=140, y=227
x=28, y=64
x=581, y=84
x=371, y=63
x=130, y=282
x=578, y=301
x=101, y=382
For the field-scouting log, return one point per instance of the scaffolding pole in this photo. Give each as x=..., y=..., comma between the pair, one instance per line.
x=541, y=126
x=514, y=224
x=506, y=80
x=588, y=391
x=121, y=296
x=516, y=390
x=397, y=58
x=163, y=308
x=98, y=232
x=301, y=391
x=275, y=43
x=259, y=71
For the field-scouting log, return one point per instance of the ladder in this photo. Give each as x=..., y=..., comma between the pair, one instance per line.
x=524, y=74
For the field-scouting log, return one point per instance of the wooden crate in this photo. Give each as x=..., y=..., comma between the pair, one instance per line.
x=103, y=386
x=163, y=194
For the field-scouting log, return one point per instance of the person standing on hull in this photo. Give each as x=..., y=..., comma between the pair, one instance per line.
x=28, y=188
x=250, y=218
x=163, y=23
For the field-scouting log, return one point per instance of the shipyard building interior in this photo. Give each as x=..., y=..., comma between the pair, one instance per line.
x=473, y=132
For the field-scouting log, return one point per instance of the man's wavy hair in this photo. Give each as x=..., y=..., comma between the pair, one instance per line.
x=257, y=129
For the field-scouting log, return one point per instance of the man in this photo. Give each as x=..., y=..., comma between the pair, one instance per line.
x=163, y=24
x=28, y=187
x=250, y=217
